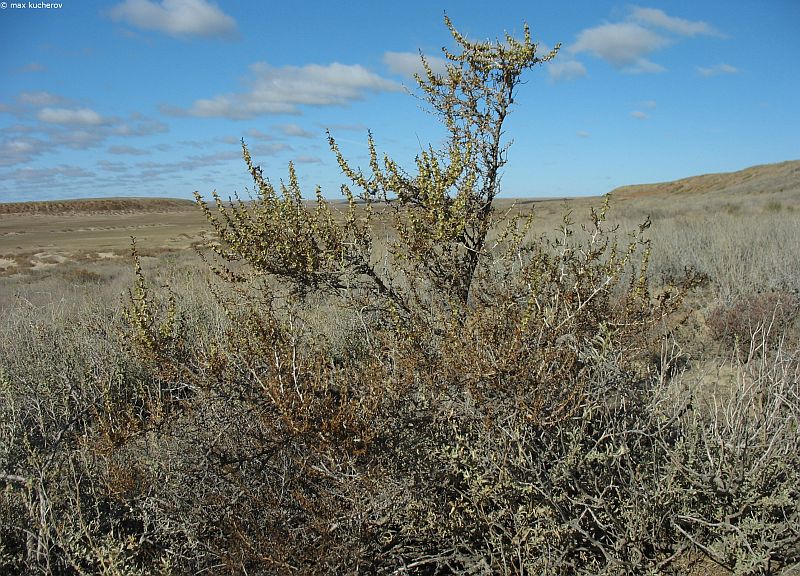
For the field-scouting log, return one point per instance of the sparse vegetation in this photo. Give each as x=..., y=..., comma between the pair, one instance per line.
x=472, y=393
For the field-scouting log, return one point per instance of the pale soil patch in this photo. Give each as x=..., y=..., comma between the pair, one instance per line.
x=53, y=257
x=42, y=260
x=88, y=236
x=5, y=264
x=39, y=265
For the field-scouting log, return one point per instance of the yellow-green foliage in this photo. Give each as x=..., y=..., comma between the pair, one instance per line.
x=441, y=215
x=279, y=235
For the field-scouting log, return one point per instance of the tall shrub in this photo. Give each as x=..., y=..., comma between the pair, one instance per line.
x=366, y=445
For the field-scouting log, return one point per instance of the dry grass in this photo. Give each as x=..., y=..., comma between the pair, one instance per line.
x=173, y=463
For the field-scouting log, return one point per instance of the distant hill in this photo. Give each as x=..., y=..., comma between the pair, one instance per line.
x=782, y=179
x=95, y=205
x=768, y=181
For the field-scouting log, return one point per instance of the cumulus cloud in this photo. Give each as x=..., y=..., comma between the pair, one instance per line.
x=61, y=124
x=639, y=115
x=659, y=19
x=623, y=45
x=19, y=150
x=409, y=63
x=627, y=45
x=565, y=70
x=81, y=116
x=716, y=70
x=282, y=90
x=181, y=18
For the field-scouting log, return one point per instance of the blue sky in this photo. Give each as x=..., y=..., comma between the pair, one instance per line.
x=151, y=97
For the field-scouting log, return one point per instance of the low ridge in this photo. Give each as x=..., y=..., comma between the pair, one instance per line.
x=89, y=205
x=781, y=177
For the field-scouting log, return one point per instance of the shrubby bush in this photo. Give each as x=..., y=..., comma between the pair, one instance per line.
x=770, y=313
x=488, y=404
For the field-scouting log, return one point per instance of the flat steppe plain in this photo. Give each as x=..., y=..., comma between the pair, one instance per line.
x=43, y=235
x=37, y=236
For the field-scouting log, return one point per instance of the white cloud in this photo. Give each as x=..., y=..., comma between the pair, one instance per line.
x=67, y=126
x=295, y=130
x=20, y=150
x=307, y=160
x=139, y=126
x=65, y=123
x=128, y=151
x=659, y=19
x=644, y=66
x=269, y=149
x=283, y=90
x=52, y=174
x=150, y=169
x=565, y=70
x=716, y=70
x=648, y=104
x=18, y=146
x=182, y=18
x=623, y=45
x=626, y=45
x=19, y=129
x=639, y=115
x=409, y=63
x=39, y=99
x=258, y=135
x=347, y=127
x=113, y=166
x=79, y=139
x=82, y=116
x=582, y=134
